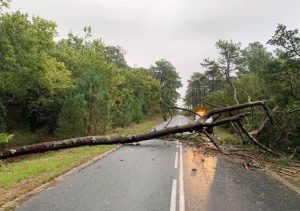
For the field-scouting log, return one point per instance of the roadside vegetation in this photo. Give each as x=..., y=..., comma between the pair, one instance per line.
x=254, y=73
x=53, y=89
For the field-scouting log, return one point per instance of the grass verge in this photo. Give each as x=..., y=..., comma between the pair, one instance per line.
x=21, y=175
x=137, y=128
x=226, y=137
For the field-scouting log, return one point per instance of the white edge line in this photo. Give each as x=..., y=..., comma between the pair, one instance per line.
x=176, y=160
x=181, y=187
x=173, y=196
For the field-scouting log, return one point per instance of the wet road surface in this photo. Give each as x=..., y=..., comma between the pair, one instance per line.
x=160, y=175
x=220, y=185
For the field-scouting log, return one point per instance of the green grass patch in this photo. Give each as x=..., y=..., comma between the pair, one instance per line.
x=21, y=138
x=225, y=137
x=283, y=161
x=50, y=164
x=137, y=128
x=294, y=181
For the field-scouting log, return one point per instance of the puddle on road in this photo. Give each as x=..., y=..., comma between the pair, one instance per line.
x=199, y=175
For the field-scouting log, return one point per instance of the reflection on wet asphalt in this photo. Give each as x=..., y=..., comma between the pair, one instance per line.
x=215, y=184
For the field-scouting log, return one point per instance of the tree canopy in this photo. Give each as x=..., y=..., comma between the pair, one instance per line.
x=169, y=81
x=254, y=73
x=74, y=86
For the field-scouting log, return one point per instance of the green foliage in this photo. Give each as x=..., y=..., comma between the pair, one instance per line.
x=201, y=85
x=73, y=87
x=5, y=138
x=29, y=75
x=254, y=59
x=86, y=112
x=255, y=74
x=116, y=56
x=169, y=80
x=71, y=119
x=4, y=3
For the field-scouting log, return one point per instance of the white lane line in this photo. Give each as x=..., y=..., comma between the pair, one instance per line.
x=176, y=160
x=173, y=195
x=181, y=188
x=177, y=144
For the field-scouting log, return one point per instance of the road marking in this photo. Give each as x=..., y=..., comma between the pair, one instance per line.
x=181, y=188
x=176, y=160
x=173, y=195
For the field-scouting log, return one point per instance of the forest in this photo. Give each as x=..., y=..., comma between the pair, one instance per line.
x=255, y=73
x=76, y=86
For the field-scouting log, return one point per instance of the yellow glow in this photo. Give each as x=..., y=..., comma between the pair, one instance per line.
x=201, y=111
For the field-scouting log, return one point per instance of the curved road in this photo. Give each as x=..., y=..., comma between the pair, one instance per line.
x=159, y=175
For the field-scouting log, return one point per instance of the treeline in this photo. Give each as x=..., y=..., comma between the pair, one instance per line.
x=76, y=86
x=253, y=73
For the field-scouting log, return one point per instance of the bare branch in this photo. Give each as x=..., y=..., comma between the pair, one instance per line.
x=234, y=108
x=263, y=125
x=256, y=142
x=211, y=138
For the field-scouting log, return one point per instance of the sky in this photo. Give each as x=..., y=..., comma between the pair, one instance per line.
x=183, y=32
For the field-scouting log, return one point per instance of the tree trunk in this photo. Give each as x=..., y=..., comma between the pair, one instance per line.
x=98, y=140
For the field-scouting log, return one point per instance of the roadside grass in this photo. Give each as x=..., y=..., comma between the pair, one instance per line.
x=137, y=128
x=27, y=137
x=294, y=181
x=283, y=161
x=226, y=137
x=23, y=174
x=223, y=136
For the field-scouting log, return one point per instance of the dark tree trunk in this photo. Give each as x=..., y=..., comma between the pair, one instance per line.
x=102, y=140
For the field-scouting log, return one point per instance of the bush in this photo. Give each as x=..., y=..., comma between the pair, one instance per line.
x=5, y=138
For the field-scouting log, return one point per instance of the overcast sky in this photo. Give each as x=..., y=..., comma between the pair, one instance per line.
x=181, y=31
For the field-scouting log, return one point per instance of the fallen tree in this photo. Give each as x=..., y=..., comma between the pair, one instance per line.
x=102, y=140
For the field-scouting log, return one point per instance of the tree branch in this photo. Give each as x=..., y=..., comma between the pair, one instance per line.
x=252, y=139
x=102, y=140
x=234, y=108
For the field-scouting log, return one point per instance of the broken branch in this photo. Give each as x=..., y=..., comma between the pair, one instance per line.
x=251, y=138
x=98, y=140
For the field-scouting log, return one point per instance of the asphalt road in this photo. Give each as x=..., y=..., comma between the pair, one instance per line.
x=159, y=175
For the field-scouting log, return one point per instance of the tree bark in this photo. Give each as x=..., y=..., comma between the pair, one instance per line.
x=102, y=140
x=263, y=125
x=234, y=108
x=253, y=140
